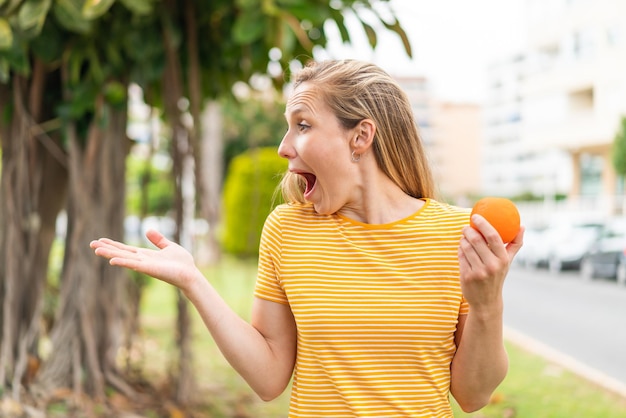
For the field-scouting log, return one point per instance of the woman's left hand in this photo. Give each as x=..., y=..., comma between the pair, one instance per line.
x=484, y=262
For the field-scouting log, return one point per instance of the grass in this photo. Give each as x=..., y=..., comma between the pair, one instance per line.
x=534, y=387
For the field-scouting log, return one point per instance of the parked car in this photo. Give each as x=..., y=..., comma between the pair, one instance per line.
x=570, y=244
x=560, y=246
x=607, y=256
x=530, y=253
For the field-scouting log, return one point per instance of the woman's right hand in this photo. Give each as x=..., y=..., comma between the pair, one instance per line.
x=170, y=262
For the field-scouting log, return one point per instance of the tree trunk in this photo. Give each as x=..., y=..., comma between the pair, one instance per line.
x=210, y=157
x=89, y=324
x=32, y=192
x=205, y=252
x=180, y=151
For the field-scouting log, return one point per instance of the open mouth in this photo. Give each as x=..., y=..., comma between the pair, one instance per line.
x=310, y=180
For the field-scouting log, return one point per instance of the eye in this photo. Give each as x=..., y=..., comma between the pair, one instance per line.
x=303, y=126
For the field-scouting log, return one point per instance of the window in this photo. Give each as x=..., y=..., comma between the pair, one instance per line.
x=591, y=167
x=614, y=35
x=581, y=100
x=583, y=45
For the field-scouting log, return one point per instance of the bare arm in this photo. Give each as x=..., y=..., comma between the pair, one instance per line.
x=262, y=352
x=481, y=362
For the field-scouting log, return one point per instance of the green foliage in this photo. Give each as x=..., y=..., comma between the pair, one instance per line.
x=6, y=35
x=149, y=183
x=105, y=44
x=619, y=149
x=89, y=42
x=256, y=122
x=249, y=193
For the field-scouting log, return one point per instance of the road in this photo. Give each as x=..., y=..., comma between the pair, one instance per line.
x=581, y=324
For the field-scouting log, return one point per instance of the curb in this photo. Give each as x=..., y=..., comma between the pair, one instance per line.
x=565, y=361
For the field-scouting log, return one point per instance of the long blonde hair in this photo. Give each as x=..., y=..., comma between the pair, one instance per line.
x=354, y=91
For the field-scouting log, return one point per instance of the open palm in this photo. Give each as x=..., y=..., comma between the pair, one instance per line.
x=170, y=262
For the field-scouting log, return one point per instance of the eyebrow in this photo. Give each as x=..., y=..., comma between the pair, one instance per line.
x=296, y=111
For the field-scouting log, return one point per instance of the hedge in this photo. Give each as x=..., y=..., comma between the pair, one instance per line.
x=249, y=196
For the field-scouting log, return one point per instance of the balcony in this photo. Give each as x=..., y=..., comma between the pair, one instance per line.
x=577, y=130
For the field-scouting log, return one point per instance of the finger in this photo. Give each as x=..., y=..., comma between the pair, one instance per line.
x=514, y=246
x=157, y=238
x=490, y=235
x=486, y=229
x=464, y=266
x=133, y=264
x=113, y=252
x=468, y=254
x=107, y=242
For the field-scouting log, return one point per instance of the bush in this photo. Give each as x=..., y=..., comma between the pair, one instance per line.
x=249, y=196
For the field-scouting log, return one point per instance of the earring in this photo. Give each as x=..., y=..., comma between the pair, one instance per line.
x=355, y=157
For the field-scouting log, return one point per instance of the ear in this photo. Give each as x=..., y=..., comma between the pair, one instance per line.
x=364, y=134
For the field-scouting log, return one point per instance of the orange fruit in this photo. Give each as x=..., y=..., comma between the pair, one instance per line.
x=501, y=213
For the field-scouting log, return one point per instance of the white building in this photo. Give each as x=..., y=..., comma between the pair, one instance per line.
x=451, y=134
x=502, y=166
x=554, y=109
x=574, y=92
x=510, y=167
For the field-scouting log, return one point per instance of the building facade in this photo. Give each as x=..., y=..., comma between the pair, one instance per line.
x=451, y=133
x=574, y=91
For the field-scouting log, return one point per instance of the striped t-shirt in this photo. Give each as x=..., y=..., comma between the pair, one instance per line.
x=376, y=308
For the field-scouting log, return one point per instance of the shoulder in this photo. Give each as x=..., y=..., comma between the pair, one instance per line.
x=446, y=209
x=294, y=209
x=445, y=214
x=293, y=212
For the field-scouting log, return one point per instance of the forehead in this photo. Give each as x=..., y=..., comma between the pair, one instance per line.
x=305, y=98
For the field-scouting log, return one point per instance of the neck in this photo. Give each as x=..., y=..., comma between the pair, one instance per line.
x=378, y=200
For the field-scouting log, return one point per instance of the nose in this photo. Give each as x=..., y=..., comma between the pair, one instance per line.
x=285, y=149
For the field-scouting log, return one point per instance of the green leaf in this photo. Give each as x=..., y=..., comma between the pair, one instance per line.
x=69, y=15
x=48, y=46
x=338, y=18
x=619, y=150
x=140, y=7
x=395, y=27
x=113, y=55
x=17, y=58
x=32, y=15
x=93, y=9
x=115, y=93
x=311, y=11
x=288, y=39
x=248, y=27
x=249, y=4
x=4, y=70
x=371, y=34
x=74, y=65
x=6, y=9
x=95, y=66
x=6, y=34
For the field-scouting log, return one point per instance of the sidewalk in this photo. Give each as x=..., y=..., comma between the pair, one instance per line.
x=531, y=345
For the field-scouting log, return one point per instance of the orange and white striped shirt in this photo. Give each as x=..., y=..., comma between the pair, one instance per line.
x=376, y=308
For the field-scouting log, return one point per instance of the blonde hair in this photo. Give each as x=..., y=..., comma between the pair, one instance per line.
x=354, y=91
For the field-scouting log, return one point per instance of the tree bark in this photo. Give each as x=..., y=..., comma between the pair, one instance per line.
x=210, y=157
x=208, y=201
x=180, y=151
x=32, y=192
x=90, y=321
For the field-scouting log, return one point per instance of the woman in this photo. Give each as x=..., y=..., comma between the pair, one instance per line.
x=376, y=298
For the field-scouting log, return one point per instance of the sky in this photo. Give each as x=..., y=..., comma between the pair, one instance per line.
x=453, y=43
